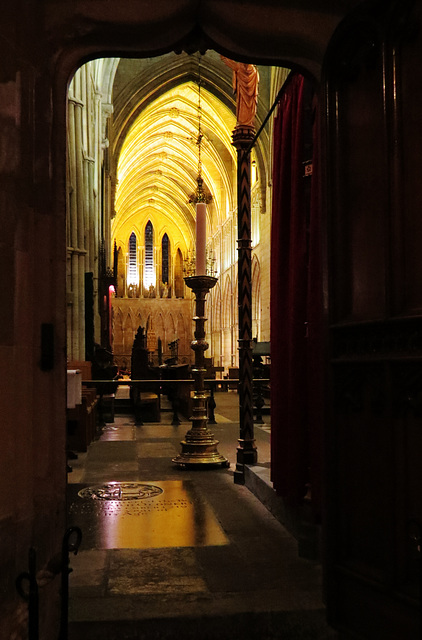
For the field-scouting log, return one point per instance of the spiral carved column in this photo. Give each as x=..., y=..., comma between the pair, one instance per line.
x=246, y=451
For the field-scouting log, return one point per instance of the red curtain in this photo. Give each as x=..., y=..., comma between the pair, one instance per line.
x=296, y=303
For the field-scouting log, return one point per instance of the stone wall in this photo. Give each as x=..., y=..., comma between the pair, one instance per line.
x=169, y=318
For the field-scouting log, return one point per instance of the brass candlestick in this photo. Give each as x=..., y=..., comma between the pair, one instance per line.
x=199, y=448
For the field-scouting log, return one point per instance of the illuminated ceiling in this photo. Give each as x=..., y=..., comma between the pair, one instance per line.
x=157, y=166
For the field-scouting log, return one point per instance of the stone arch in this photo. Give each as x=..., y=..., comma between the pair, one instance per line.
x=118, y=331
x=138, y=322
x=184, y=344
x=227, y=312
x=213, y=324
x=171, y=332
x=121, y=273
x=165, y=266
x=160, y=330
x=227, y=323
x=149, y=266
x=256, y=297
x=129, y=330
x=178, y=275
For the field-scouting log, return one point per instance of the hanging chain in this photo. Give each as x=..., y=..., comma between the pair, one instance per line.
x=200, y=135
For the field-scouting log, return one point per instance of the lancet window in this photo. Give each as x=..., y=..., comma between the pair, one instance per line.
x=133, y=263
x=165, y=245
x=149, y=278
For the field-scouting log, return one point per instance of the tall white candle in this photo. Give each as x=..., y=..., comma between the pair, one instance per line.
x=201, y=227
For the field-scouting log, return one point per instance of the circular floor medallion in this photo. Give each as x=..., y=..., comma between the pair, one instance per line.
x=121, y=491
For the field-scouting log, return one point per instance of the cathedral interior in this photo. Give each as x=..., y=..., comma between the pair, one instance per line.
x=139, y=135
x=211, y=222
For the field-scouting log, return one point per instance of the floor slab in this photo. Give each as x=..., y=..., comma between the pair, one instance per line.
x=173, y=513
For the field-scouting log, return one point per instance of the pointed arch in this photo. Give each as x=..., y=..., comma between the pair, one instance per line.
x=160, y=330
x=256, y=297
x=149, y=271
x=118, y=331
x=226, y=316
x=133, y=277
x=178, y=275
x=128, y=333
x=181, y=334
x=138, y=321
x=213, y=326
x=171, y=332
x=227, y=323
x=165, y=259
x=121, y=273
x=213, y=308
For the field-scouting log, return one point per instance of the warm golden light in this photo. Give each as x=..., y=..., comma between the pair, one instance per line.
x=158, y=167
x=178, y=517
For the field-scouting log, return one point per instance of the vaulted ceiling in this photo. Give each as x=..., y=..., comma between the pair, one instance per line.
x=157, y=104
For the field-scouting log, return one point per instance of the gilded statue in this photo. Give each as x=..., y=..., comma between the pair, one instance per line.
x=245, y=86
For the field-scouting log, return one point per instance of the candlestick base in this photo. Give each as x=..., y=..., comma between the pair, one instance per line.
x=200, y=454
x=199, y=448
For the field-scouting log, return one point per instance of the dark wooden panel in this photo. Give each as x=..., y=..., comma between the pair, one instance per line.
x=406, y=101
x=363, y=469
x=360, y=215
x=407, y=422
x=374, y=444
x=365, y=612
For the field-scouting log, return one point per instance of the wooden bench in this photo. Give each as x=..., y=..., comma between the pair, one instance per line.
x=178, y=393
x=150, y=406
x=82, y=422
x=233, y=375
x=146, y=405
x=82, y=418
x=145, y=397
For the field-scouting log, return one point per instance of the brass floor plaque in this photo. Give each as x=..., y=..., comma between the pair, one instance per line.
x=144, y=515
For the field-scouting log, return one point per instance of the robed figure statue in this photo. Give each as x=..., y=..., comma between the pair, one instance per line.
x=245, y=85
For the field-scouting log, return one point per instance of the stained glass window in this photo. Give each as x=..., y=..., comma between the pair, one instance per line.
x=165, y=245
x=149, y=255
x=133, y=267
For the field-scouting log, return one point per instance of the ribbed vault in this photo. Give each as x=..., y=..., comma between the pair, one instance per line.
x=157, y=164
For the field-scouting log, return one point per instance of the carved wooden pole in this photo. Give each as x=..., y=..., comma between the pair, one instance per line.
x=246, y=450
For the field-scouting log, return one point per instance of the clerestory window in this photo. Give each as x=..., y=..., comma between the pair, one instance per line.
x=132, y=277
x=165, y=252
x=149, y=275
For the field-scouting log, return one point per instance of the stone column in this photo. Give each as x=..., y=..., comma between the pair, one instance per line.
x=73, y=344
x=79, y=298
x=140, y=259
x=246, y=450
x=89, y=212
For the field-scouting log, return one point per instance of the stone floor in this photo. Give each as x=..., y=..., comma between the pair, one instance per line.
x=168, y=552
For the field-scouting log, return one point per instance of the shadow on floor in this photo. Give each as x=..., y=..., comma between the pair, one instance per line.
x=169, y=553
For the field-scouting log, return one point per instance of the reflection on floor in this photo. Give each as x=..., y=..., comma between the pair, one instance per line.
x=169, y=553
x=171, y=513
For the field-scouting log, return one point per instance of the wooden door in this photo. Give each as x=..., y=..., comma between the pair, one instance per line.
x=374, y=446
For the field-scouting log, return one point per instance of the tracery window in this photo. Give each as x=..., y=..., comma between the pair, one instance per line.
x=132, y=276
x=165, y=246
x=149, y=276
